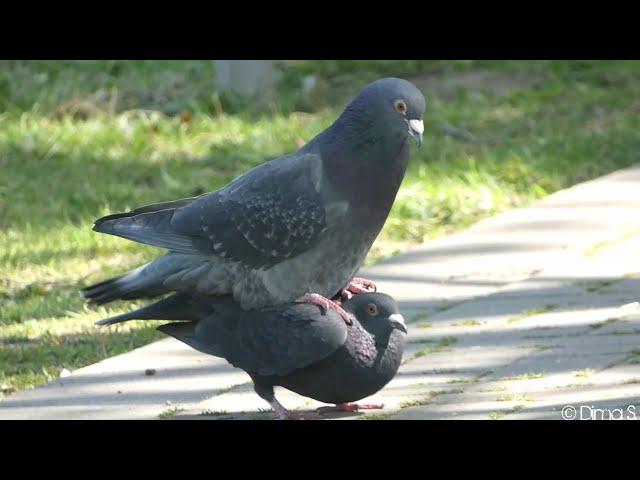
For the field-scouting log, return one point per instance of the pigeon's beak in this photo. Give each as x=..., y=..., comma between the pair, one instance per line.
x=397, y=321
x=416, y=129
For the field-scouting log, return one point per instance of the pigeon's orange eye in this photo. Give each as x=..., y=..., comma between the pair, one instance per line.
x=401, y=107
x=372, y=309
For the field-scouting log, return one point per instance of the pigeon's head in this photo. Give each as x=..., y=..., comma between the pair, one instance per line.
x=390, y=108
x=378, y=313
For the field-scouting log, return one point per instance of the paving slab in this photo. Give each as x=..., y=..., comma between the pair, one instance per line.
x=515, y=318
x=143, y=383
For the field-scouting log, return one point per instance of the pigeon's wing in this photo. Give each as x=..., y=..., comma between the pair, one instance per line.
x=276, y=341
x=272, y=213
x=263, y=218
x=271, y=341
x=154, y=207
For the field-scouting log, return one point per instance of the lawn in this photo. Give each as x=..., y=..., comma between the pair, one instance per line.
x=82, y=139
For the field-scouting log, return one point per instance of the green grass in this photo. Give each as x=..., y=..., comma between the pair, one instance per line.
x=600, y=247
x=462, y=380
x=522, y=397
x=416, y=403
x=170, y=412
x=467, y=323
x=420, y=316
x=439, y=342
x=533, y=337
x=440, y=346
x=540, y=347
x=524, y=376
x=423, y=315
x=82, y=139
x=608, y=321
x=427, y=399
x=592, y=286
x=634, y=331
x=530, y=313
x=634, y=356
x=576, y=385
x=213, y=413
x=502, y=414
x=492, y=389
x=375, y=416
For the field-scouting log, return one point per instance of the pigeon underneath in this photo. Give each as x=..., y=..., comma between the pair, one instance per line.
x=299, y=226
x=292, y=345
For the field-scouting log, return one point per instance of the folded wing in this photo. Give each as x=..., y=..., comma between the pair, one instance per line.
x=272, y=213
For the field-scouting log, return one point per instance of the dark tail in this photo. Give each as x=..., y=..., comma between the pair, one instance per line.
x=118, y=288
x=146, y=281
x=180, y=306
x=183, y=331
x=186, y=333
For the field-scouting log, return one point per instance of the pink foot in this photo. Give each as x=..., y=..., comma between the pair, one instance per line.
x=345, y=295
x=350, y=407
x=361, y=285
x=357, y=285
x=326, y=304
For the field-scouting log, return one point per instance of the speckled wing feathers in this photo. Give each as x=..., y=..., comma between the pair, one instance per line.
x=271, y=213
x=263, y=218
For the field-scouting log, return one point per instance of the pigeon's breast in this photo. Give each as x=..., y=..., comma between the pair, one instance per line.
x=355, y=371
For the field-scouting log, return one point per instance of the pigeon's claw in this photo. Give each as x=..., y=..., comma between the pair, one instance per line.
x=356, y=286
x=345, y=295
x=361, y=285
x=326, y=304
x=350, y=407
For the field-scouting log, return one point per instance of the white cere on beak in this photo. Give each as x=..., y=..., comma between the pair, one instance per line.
x=416, y=126
x=397, y=318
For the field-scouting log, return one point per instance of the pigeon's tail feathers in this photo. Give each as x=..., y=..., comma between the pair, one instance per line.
x=186, y=333
x=166, y=309
x=181, y=306
x=138, y=283
x=105, y=292
x=146, y=281
x=152, y=228
x=125, y=317
x=183, y=331
x=118, y=288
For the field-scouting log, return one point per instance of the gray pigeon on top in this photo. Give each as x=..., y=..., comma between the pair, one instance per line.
x=295, y=228
x=292, y=345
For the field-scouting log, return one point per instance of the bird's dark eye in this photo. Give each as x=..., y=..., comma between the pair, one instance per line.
x=401, y=107
x=372, y=309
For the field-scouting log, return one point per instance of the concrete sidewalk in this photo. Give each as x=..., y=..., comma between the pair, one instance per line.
x=517, y=317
